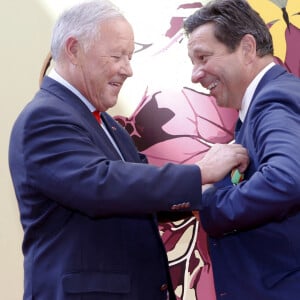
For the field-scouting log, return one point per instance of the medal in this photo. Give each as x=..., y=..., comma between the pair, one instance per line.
x=236, y=176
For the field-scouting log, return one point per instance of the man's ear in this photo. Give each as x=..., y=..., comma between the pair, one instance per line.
x=72, y=49
x=248, y=46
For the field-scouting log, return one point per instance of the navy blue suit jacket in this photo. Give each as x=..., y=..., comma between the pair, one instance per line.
x=90, y=230
x=254, y=227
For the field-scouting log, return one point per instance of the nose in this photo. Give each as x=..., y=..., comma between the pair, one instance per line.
x=197, y=73
x=126, y=68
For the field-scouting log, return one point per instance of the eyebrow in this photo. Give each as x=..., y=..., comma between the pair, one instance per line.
x=201, y=50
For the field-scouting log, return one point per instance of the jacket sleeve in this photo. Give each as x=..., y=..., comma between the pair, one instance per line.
x=271, y=191
x=64, y=164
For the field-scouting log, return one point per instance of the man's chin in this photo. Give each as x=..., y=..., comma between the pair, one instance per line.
x=111, y=103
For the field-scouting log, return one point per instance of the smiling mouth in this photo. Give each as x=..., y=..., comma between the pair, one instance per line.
x=116, y=84
x=212, y=85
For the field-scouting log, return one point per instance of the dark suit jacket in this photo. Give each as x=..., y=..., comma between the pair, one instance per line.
x=254, y=227
x=90, y=231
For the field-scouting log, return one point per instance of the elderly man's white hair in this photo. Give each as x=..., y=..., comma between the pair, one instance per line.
x=82, y=22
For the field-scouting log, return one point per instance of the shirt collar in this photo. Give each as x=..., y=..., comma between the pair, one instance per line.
x=55, y=76
x=250, y=91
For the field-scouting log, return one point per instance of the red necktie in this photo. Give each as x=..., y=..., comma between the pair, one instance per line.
x=96, y=114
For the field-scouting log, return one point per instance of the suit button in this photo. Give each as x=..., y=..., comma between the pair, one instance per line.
x=164, y=287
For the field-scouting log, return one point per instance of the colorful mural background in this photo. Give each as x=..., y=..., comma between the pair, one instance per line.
x=176, y=121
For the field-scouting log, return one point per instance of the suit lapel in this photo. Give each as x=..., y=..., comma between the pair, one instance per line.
x=121, y=138
x=81, y=111
x=273, y=73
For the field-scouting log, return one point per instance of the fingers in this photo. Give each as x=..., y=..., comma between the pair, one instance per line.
x=242, y=157
x=220, y=160
x=243, y=163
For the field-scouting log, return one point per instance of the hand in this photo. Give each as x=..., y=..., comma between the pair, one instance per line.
x=220, y=160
